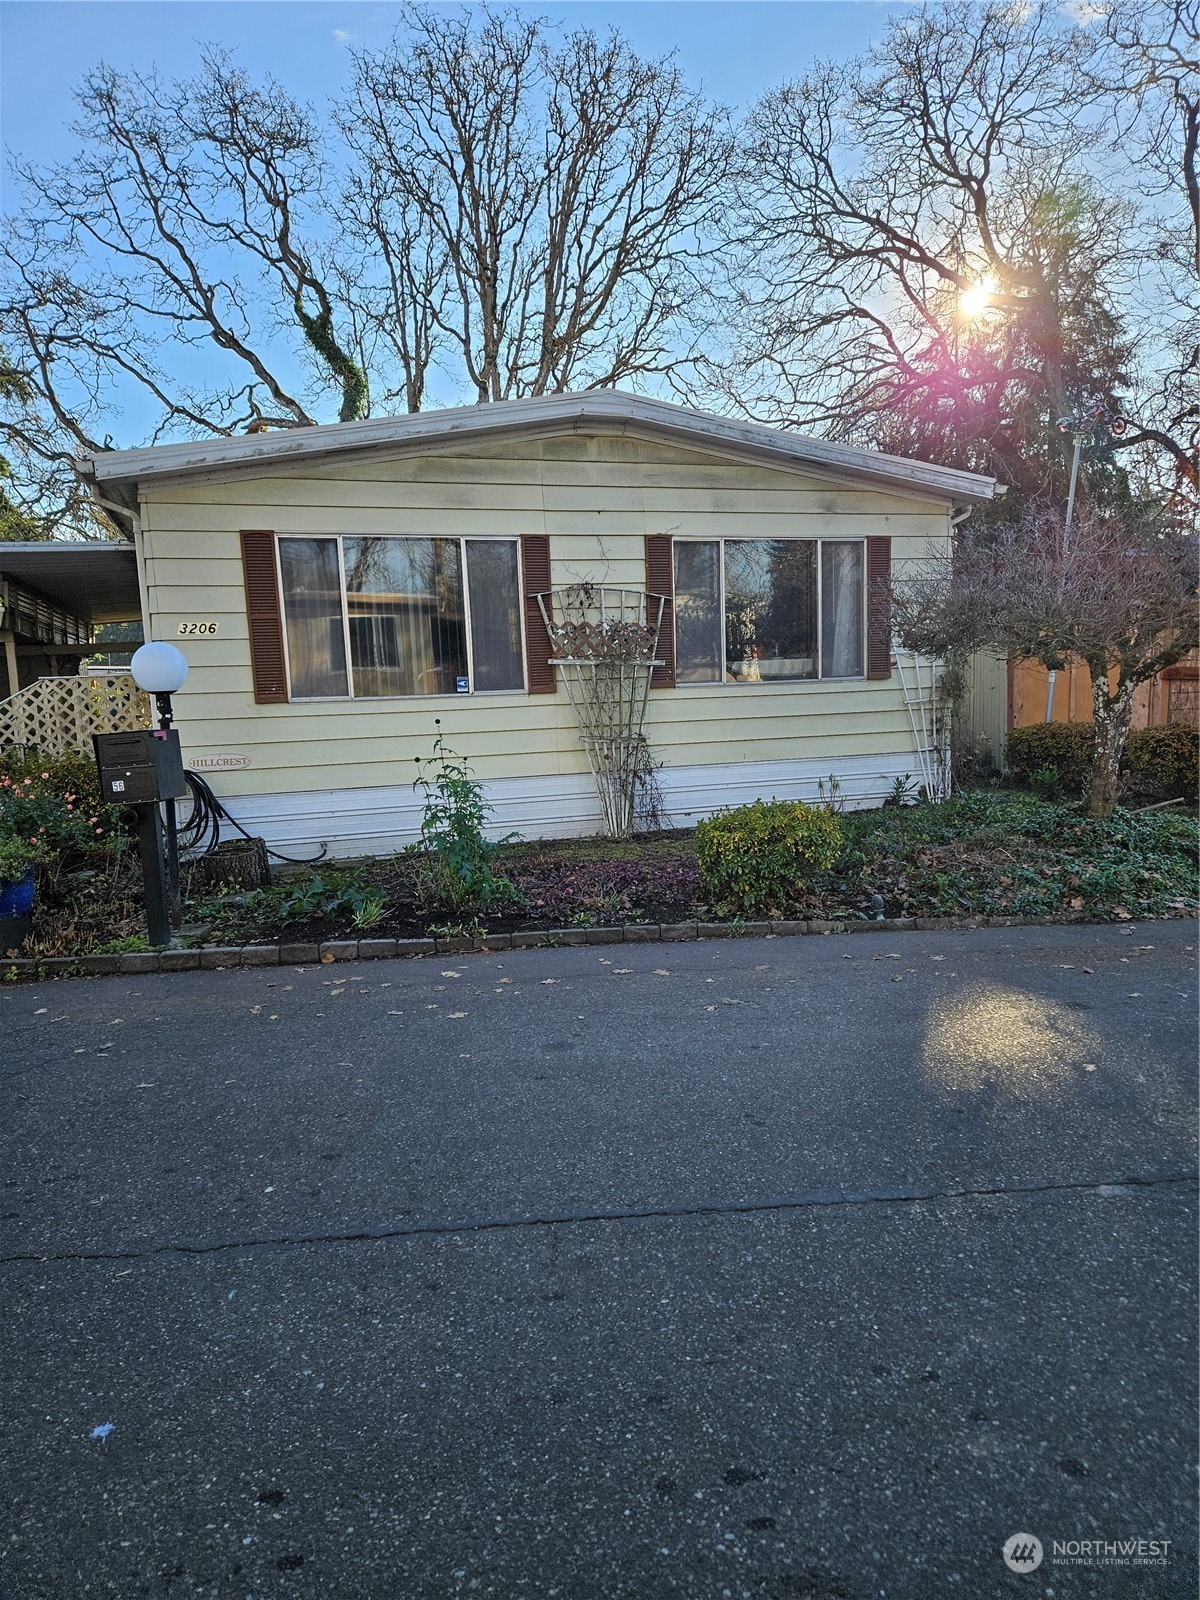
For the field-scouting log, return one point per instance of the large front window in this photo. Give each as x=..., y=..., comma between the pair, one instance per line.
x=768, y=610
x=390, y=615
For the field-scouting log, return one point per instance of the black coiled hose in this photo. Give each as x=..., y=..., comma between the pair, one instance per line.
x=201, y=831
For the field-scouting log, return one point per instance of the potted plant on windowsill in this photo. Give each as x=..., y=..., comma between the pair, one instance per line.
x=19, y=860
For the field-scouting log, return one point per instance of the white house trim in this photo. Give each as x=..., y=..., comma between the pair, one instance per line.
x=378, y=821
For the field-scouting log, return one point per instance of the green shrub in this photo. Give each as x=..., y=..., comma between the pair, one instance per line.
x=17, y=856
x=1164, y=761
x=73, y=774
x=455, y=814
x=40, y=808
x=1065, y=745
x=756, y=858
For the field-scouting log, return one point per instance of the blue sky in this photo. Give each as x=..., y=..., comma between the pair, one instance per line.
x=736, y=48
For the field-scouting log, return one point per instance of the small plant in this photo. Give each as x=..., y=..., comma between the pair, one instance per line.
x=470, y=929
x=129, y=944
x=757, y=858
x=1047, y=783
x=366, y=908
x=904, y=792
x=369, y=911
x=456, y=812
x=829, y=792
x=305, y=902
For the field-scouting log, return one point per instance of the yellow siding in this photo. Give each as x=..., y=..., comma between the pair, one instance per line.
x=596, y=497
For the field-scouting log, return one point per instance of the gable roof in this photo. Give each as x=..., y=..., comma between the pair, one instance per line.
x=117, y=473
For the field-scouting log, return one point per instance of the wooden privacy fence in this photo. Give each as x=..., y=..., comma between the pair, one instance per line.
x=55, y=715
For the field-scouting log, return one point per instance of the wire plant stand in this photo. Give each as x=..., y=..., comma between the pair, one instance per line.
x=927, y=718
x=605, y=643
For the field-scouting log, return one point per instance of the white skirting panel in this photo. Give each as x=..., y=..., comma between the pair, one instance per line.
x=377, y=821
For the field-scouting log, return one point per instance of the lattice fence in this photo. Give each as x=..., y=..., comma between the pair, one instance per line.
x=55, y=715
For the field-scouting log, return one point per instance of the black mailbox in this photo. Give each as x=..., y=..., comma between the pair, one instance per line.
x=139, y=767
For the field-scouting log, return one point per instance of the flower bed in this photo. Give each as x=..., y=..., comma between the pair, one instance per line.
x=978, y=856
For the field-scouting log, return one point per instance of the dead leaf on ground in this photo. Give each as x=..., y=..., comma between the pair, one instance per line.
x=327, y=958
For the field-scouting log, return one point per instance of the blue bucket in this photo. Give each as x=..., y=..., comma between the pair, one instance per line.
x=16, y=895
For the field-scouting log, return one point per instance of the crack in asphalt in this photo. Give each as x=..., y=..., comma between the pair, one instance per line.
x=814, y=1200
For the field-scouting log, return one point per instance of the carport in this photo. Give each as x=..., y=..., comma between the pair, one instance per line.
x=53, y=595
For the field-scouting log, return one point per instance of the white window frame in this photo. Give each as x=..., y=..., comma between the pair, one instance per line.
x=370, y=699
x=724, y=681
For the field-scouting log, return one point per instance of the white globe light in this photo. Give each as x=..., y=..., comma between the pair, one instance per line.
x=159, y=668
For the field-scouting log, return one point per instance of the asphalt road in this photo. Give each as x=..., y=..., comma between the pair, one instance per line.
x=805, y=1269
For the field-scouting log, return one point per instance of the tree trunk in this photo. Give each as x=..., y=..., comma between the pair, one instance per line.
x=1111, y=716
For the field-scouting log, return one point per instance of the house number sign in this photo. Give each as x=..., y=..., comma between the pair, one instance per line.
x=197, y=630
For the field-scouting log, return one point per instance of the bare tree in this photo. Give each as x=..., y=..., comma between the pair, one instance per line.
x=508, y=214
x=560, y=199
x=1121, y=598
x=1147, y=72
x=183, y=220
x=952, y=168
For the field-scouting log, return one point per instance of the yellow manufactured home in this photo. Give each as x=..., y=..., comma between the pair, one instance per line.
x=336, y=589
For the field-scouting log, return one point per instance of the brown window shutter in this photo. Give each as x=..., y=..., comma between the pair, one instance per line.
x=264, y=615
x=660, y=579
x=535, y=573
x=879, y=611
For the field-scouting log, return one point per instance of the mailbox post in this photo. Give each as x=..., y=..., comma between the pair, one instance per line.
x=140, y=770
x=145, y=770
x=160, y=669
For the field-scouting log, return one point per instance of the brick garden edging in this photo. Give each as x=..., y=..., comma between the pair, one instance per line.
x=208, y=957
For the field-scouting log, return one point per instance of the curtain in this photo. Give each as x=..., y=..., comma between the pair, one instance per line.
x=842, y=591
x=697, y=611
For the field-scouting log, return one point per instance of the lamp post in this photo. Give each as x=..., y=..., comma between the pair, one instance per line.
x=160, y=669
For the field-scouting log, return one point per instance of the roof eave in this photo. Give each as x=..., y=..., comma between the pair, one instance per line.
x=125, y=470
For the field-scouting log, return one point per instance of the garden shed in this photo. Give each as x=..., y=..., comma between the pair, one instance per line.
x=338, y=590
